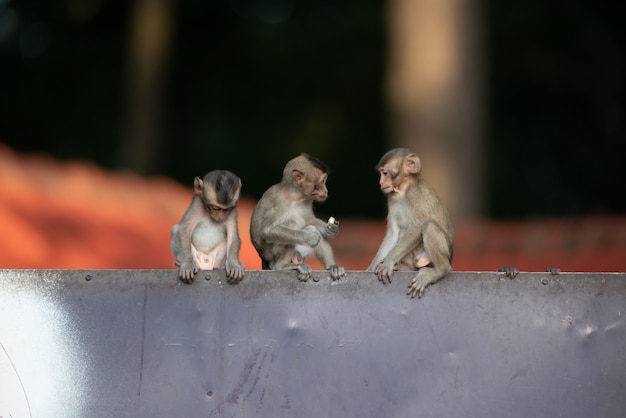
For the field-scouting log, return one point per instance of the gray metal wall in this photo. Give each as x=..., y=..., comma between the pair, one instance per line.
x=142, y=344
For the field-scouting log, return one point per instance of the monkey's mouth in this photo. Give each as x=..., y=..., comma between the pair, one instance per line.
x=320, y=198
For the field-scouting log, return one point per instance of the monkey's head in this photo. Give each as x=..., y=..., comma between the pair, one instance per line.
x=219, y=192
x=308, y=174
x=397, y=169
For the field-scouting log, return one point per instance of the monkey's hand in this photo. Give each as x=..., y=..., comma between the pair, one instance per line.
x=336, y=272
x=384, y=271
x=303, y=269
x=187, y=271
x=418, y=286
x=234, y=272
x=330, y=231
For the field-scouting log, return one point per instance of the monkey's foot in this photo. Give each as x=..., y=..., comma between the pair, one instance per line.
x=336, y=272
x=509, y=272
x=418, y=287
x=303, y=269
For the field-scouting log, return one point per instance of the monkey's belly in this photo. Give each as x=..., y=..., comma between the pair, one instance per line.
x=208, y=246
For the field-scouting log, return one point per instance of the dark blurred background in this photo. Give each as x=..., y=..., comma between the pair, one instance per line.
x=170, y=88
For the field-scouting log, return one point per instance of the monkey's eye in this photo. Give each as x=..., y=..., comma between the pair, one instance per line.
x=213, y=208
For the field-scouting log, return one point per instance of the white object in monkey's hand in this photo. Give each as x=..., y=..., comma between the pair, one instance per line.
x=332, y=228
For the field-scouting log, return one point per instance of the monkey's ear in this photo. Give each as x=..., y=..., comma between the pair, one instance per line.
x=198, y=185
x=298, y=177
x=412, y=164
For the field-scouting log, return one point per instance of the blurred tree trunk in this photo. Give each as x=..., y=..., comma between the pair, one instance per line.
x=149, y=40
x=434, y=90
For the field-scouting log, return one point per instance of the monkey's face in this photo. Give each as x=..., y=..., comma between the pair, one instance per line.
x=315, y=186
x=218, y=213
x=388, y=175
x=219, y=206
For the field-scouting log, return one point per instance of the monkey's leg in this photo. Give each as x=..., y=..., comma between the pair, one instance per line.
x=175, y=244
x=284, y=262
x=324, y=253
x=183, y=260
x=436, y=249
x=301, y=253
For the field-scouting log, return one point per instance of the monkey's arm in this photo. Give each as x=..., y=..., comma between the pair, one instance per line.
x=234, y=267
x=391, y=236
x=406, y=242
x=328, y=230
x=181, y=245
x=324, y=254
x=283, y=235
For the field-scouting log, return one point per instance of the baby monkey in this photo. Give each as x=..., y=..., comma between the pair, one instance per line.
x=419, y=231
x=207, y=236
x=284, y=229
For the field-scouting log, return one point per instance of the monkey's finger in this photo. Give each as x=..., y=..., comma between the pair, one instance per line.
x=413, y=290
x=387, y=273
x=385, y=278
x=234, y=275
x=240, y=274
x=417, y=288
x=230, y=279
x=336, y=272
x=186, y=275
x=332, y=230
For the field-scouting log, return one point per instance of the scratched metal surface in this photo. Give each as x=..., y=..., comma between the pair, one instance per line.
x=142, y=344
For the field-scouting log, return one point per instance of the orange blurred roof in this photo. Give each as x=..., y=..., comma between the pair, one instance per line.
x=78, y=216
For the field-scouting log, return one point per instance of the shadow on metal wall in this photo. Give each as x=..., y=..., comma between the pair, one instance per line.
x=140, y=343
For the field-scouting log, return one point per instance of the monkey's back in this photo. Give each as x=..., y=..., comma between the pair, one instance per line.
x=431, y=206
x=266, y=213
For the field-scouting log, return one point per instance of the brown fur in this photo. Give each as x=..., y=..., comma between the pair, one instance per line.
x=207, y=236
x=419, y=230
x=284, y=229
